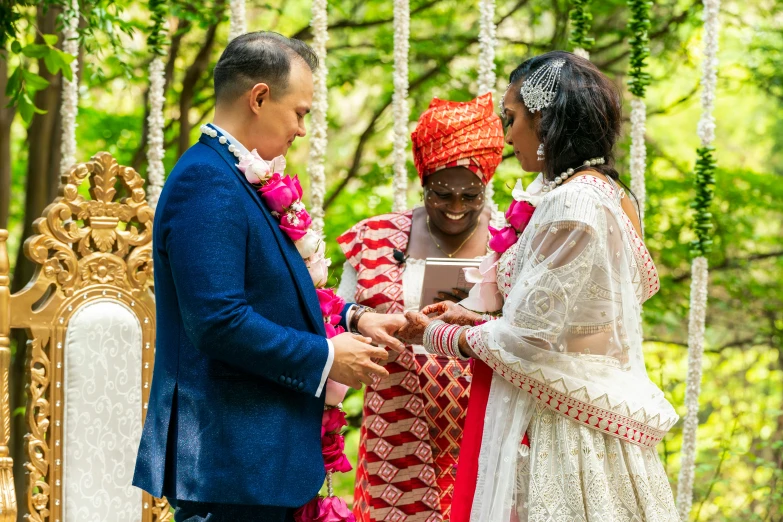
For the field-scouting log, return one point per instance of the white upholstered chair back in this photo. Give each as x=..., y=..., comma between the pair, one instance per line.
x=89, y=316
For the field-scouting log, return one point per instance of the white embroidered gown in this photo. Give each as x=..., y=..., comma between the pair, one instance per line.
x=569, y=371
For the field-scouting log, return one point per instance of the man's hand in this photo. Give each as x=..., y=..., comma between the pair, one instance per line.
x=451, y=313
x=353, y=360
x=381, y=329
x=413, y=331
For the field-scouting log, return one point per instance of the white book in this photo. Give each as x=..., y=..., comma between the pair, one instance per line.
x=442, y=274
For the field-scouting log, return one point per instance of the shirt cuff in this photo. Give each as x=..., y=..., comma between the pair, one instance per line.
x=349, y=317
x=327, y=368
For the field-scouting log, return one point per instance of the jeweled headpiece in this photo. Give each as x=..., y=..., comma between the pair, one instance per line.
x=538, y=91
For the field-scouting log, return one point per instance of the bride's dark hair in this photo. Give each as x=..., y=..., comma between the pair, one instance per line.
x=584, y=119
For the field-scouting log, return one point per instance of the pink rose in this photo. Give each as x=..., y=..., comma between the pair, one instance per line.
x=329, y=509
x=331, y=303
x=280, y=192
x=333, y=419
x=333, y=331
x=295, y=224
x=519, y=214
x=333, y=450
x=502, y=239
x=334, y=509
x=335, y=392
x=255, y=169
x=318, y=266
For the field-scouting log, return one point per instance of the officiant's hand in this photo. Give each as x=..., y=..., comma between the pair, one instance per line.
x=381, y=329
x=451, y=313
x=413, y=331
x=353, y=360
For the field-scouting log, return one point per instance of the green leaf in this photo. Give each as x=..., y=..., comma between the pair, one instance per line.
x=50, y=39
x=33, y=82
x=26, y=108
x=16, y=47
x=14, y=83
x=36, y=50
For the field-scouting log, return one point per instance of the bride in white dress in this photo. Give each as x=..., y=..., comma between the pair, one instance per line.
x=566, y=352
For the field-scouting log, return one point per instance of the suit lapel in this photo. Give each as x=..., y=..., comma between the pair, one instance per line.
x=290, y=254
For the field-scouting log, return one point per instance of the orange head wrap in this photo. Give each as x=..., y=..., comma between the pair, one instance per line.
x=459, y=134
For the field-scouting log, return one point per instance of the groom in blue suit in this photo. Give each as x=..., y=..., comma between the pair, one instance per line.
x=232, y=430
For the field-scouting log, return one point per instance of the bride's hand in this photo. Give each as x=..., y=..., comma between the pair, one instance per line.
x=452, y=313
x=413, y=331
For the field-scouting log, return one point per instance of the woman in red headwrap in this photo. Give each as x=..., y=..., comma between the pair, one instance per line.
x=413, y=419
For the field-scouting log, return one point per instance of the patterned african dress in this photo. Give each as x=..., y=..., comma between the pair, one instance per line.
x=413, y=419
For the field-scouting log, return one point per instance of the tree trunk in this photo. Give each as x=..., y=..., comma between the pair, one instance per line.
x=6, y=117
x=42, y=182
x=192, y=76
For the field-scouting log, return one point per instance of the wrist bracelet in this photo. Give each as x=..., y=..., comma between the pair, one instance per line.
x=443, y=339
x=354, y=326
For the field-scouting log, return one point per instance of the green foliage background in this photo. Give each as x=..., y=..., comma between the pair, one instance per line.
x=739, y=472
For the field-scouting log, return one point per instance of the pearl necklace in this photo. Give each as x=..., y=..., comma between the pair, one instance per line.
x=565, y=175
x=212, y=133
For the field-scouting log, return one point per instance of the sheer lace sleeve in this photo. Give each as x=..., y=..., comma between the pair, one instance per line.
x=348, y=283
x=554, y=259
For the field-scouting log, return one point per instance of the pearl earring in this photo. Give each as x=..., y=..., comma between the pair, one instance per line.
x=540, y=152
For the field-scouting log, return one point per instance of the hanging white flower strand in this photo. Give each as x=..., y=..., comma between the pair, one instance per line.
x=639, y=79
x=319, y=127
x=699, y=272
x=157, y=98
x=638, y=152
x=400, y=103
x=155, y=125
x=487, y=79
x=70, y=104
x=237, y=22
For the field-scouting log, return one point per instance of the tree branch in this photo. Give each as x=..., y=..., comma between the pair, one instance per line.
x=305, y=33
x=368, y=131
x=729, y=264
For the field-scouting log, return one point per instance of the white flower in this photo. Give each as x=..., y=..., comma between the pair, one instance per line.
x=309, y=244
x=519, y=194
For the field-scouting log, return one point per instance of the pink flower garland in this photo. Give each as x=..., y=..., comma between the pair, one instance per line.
x=282, y=194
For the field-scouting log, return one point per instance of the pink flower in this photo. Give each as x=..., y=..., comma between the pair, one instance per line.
x=318, y=266
x=329, y=509
x=502, y=239
x=334, y=509
x=277, y=165
x=333, y=331
x=295, y=224
x=519, y=214
x=333, y=450
x=280, y=192
x=255, y=169
x=335, y=392
x=333, y=419
x=484, y=296
x=331, y=303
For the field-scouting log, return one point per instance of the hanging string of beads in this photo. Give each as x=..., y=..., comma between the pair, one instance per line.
x=700, y=247
x=581, y=19
x=238, y=22
x=400, y=103
x=638, y=80
x=70, y=103
x=487, y=78
x=318, y=141
x=156, y=42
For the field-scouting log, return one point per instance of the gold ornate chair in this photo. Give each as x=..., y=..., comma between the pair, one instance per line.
x=89, y=316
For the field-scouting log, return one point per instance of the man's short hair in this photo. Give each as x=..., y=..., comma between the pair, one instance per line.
x=259, y=57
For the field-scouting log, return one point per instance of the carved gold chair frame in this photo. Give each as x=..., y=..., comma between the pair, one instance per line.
x=85, y=249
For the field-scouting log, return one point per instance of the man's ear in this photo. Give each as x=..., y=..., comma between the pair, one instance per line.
x=259, y=95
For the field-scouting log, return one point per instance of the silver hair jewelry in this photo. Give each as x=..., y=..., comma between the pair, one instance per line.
x=540, y=152
x=538, y=91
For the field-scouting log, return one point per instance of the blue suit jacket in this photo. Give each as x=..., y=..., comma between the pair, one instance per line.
x=232, y=416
